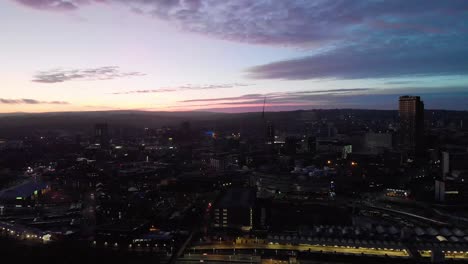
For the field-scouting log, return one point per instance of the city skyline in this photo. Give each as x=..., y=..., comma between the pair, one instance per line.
x=227, y=56
x=234, y=131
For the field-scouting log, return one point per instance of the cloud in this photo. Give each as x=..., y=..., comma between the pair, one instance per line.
x=90, y=74
x=343, y=39
x=188, y=87
x=365, y=98
x=288, y=22
x=283, y=97
x=30, y=101
x=399, y=82
x=396, y=58
x=54, y=5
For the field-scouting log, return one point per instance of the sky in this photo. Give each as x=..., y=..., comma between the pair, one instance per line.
x=231, y=55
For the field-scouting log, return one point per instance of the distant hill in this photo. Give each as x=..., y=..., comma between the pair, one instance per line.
x=77, y=122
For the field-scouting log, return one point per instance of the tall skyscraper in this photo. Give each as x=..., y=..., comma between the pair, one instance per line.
x=270, y=133
x=101, y=134
x=411, y=112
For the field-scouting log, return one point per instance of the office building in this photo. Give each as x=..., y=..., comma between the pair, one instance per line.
x=411, y=111
x=235, y=209
x=453, y=163
x=101, y=134
x=377, y=142
x=270, y=133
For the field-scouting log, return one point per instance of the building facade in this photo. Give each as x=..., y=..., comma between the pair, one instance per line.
x=411, y=111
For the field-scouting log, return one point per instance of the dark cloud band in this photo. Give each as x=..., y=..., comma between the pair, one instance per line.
x=395, y=59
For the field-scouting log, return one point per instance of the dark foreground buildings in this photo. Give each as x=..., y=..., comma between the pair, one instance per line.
x=315, y=186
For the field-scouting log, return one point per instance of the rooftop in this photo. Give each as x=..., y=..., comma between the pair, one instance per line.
x=237, y=197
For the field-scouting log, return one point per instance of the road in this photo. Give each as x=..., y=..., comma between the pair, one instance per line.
x=219, y=258
x=402, y=253
x=448, y=254
x=21, y=232
x=419, y=217
x=182, y=248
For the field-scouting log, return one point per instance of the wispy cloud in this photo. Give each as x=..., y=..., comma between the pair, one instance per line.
x=188, y=87
x=30, y=101
x=54, y=5
x=280, y=97
x=90, y=74
x=400, y=82
x=435, y=98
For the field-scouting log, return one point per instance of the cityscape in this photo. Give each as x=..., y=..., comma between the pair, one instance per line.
x=245, y=132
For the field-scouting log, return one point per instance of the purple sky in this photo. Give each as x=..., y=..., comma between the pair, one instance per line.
x=168, y=55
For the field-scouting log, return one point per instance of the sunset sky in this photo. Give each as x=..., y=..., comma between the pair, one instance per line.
x=228, y=55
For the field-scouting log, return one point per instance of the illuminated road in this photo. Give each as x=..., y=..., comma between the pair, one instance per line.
x=419, y=217
x=219, y=258
x=307, y=247
x=20, y=232
x=448, y=254
x=182, y=248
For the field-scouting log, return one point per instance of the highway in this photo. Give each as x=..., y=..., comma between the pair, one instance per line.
x=189, y=258
x=182, y=248
x=448, y=254
x=419, y=217
x=401, y=253
x=20, y=232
